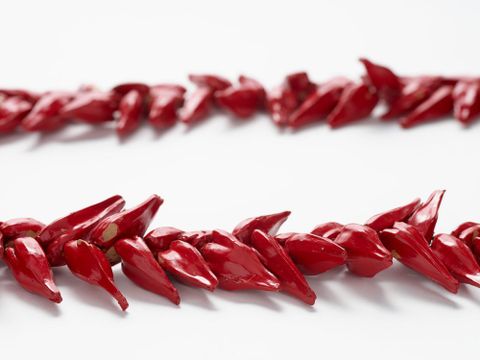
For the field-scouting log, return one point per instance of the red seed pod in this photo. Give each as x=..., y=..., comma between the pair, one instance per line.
x=475, y=247
x=88, y=263
x=236, y=265
x=92, y=107
x=197, y=106
x=140, y=266
x=386, y=83
x=281, y=103
x=386, y=219
x=278, y=262
x=165, y=101
x=12, y=112
x=30, y=96
x=463, y=226
x=300, y=85
x=185, y=262
x=425, y=216
x=248, y=82
x=458, y=258
x=466, y=100
x=467, y=234
x=213, y=82
x=267, y=223
x=45, y=114
x=123, y=89
x=159, y=239
x=241, y=101
x=329, y=230
x=408, y=246
x=130, y=112
x=196, y=238
x=21, y=227
x=366, y=256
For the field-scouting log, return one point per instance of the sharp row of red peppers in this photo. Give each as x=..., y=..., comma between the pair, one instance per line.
x=296, y=102
x=252, y=256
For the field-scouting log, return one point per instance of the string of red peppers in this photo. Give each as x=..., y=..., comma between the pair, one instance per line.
x=253, y=256
x=296, y=102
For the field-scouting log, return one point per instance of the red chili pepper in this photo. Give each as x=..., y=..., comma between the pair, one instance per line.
x=463, y=226
x=279, y=263
x=196, y=238
x=140, y=266
x=281, y=103
x=130, y=110
x=91, y=107
x=29, y=266
x=466, y=100
x=159, y=239
x=22, y=227
x=426, y=215
x=458, y=258
x=241, y=101
x=329, y=230
x=2, y=247
x=300, y=85
x=267, y=223
x=197, y=106
x=356, y=102
x=126, y=224
x=319, y=103
x=28, y=95
x=386, y=83
x=185, y=262
x=124, y=89
x=475, y=247
x=386, y=219
x=213, y=82
x=236, y=265
x=251, y=83
x=467, y=234
x=45, y=114
x=366, y=256
x=76, y=225
x=414, y=92
x=439, y=104
x=88, y=263
x=314, y=254
x=12, y=112
x=408, y=246
x=165, y=101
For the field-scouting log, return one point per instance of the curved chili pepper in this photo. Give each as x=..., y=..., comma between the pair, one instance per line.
x=329, y=230
x=366, y=256
x=439, y=104
x=165, y=101
x=314, y=254
x=386, y=83
x=300, y=85
x=12, y=111
x=426, y=215
x=278, y=262
x=21, y=227
x=408, y=246
x=29, y=266
x=248, y=82
x=88, y=263
x=267, y=223
x=140, y=266
x=356, y=102
x=213, y=82
x=197, y=106
x=126, y=224
x=467, y=234
x=91, y=107
x=130, y=110
x=386, y=219
x=458, y=258
x=466, y=100
x=28, y=95
x=196, y=238
x=241, y=101
x=159, y=239
x=281, y=103
x=125, y=88
x=463, y=226
x=236, y=265
x=185, y=263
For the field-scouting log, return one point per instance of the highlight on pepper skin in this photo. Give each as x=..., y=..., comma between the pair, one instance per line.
x=253, y=256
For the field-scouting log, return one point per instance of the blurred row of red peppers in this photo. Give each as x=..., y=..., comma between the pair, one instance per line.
x=252, y=256
x=296, y=102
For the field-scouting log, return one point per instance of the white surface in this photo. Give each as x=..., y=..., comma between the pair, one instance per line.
x=222, y=172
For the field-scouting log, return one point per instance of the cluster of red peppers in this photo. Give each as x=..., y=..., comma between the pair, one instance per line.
x=252, y=256
x=294, y=103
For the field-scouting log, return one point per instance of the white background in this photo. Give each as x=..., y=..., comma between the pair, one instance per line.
x=223, y=171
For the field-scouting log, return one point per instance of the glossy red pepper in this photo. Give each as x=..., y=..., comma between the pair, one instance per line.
x=88, y=263
x=281, y=103
x=29, y=266
x=165, y=101
x=426, y=215
x=213, y=82
x=280, y=264
x=196, y=238
x=123, y=89
x=45, y=114
x=130, y=112
x=386, y=219
x=12, y=112
x=91, y=107
x=466, y=100
x=186, y=264
x=140, y=266
x=329, y=230
x=386, y=83
x=314, y=254
x=366, y=255
x=236, y=265
x=159, y=239
x=126, y=224
x=408, y=246
x=248, y=82
x=319, y=103
x=467, y=234
x=267, y=223
x=463, y=226
x=457, y=257
x=439, y=104
x=356, y=102
x=197, y=106
x=28, y=95
x=21, y=227
x=241, y=101
x=300, y=85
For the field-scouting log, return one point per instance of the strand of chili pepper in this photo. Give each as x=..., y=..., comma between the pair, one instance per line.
x=296, y=102
x=90, y=241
